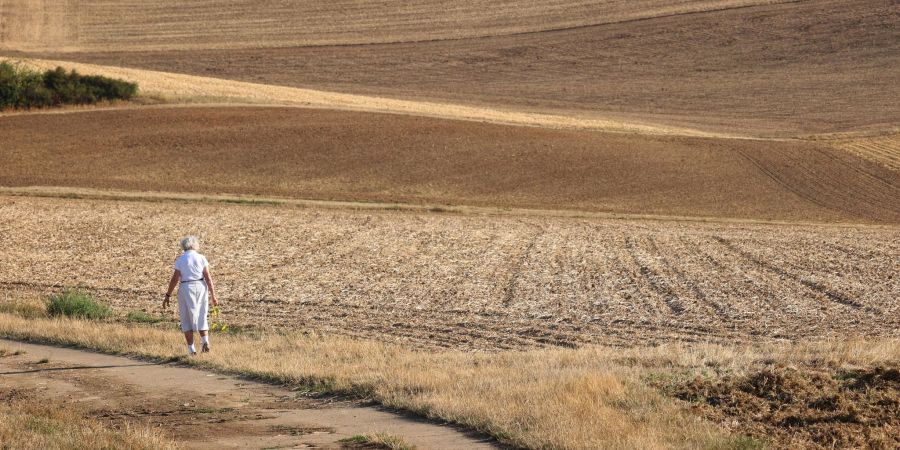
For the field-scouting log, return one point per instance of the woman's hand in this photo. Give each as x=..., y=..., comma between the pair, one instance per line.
x=166, y=301
x=214, y=300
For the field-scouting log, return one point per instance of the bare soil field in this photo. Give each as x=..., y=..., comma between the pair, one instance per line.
x=768, y=70
x=441, y=280
x=334, y=155
x=174, y=24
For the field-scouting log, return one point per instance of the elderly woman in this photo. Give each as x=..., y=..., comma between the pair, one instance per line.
x=192, y=270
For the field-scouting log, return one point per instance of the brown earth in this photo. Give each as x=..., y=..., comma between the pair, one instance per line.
x=884, y=150
x=174, y=24
x=318, y=154
x=202, y=410
x=467, y=281
x=802, y=408
x=767, y=70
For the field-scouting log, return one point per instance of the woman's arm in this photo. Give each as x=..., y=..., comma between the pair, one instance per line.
x=209, y=283
x=176, y=275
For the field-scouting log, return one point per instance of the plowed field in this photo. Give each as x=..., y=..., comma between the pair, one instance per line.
x=333, y=155
x=468, y=281
x=180, y=24
x=768, y=70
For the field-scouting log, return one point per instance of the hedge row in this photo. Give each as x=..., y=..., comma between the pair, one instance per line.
x=25, y=88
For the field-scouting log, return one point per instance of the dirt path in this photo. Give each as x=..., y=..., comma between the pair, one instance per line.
x=206, y=410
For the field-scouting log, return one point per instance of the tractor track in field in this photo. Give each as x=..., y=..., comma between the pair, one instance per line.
x=436, y=280
x=831, y=294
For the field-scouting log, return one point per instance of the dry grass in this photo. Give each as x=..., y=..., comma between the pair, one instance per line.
x=536, y=399
x=377, y=441
x=547, y=398
x=29, y=421
x=28, y=306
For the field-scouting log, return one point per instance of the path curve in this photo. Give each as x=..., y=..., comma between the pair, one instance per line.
x=67, y=370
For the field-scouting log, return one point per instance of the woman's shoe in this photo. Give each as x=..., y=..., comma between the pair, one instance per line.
x=205, y=348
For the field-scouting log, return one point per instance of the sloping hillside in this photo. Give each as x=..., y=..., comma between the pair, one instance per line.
x=182, y=24
x=354, y=156
x=782, y=69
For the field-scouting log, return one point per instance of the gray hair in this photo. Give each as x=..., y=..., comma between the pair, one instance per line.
x=190, y=243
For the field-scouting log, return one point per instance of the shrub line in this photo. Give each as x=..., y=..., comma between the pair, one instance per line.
x=24, y=88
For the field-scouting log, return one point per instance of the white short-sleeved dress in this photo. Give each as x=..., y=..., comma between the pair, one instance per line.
x=193, y=294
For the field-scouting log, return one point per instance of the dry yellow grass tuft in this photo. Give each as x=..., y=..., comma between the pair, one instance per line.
x=29, y=421
x=377, y=440
x=28, y=306
x=576, y=399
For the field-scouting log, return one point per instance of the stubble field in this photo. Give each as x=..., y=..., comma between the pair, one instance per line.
x=445, y=280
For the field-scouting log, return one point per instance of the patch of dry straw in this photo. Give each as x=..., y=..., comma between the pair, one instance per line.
x=31, y=422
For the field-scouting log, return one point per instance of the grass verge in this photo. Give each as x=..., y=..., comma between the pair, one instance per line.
x=592, y=397
x=535, y=399
x=30, y=307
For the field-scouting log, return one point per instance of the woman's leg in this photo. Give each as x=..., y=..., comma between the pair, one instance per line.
x=204, y=340
x=189, y=337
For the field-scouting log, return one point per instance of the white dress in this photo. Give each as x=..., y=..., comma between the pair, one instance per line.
x=193, y=294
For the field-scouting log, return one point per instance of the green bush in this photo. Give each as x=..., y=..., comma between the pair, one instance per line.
x=21, y=87
x=77, y=304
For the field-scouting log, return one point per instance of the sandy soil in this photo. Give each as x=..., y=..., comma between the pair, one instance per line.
x=392, y=158
x=201, y=409
x=443, y=280
x=773, y=70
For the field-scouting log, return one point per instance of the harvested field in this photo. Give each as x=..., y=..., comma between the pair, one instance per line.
x=768, y=70
x=392, y=158
x=590, y=224
x=439, y=280
x=884, y=150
